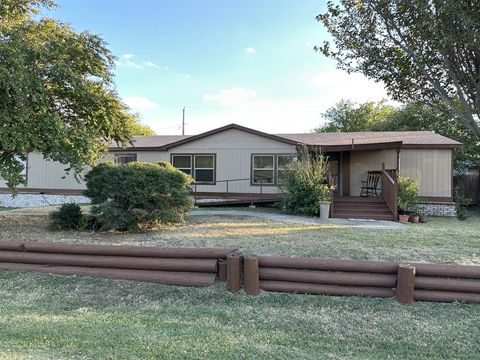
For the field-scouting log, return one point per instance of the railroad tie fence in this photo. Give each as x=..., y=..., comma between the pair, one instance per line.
x=406, y=282
x=173, y=266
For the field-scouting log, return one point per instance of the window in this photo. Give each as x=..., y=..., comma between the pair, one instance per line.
x=200, y=166
x=122, y=159
x=263, y=171
x=282, y=163
x=183, y=163
x=204, y=168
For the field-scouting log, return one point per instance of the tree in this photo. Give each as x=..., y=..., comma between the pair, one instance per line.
x=135, y=127
x=347, y=116
x=426, y=51
x=416, y=116
x=56, y=92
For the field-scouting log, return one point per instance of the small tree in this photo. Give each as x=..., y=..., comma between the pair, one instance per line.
x=137, y=195
x=407, y=199
x=305, y=183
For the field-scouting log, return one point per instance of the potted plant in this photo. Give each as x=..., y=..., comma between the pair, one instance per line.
x=415, y=216
x=325, y=197
x=407, y=199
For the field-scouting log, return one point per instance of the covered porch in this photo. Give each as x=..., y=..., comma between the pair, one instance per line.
x=364, y=177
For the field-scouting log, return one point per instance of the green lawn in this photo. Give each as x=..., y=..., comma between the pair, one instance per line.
x=43, y=316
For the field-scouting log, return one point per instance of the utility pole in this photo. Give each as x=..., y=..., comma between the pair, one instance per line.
x=183, y=121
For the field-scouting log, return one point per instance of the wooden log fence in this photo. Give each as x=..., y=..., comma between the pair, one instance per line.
x=173, y=266
x=407, y=282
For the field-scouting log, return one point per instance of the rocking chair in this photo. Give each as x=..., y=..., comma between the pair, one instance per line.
x=370, y=186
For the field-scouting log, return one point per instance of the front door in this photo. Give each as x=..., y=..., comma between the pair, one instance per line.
x=334, y=170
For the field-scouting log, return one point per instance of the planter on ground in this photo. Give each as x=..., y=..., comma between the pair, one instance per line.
x=324, y=209
x=403, y=218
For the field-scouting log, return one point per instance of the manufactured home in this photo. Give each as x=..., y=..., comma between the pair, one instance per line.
x=238, y=164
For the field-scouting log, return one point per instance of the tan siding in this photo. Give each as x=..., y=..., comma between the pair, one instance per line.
x=431, y=168
x=363, y=161
x=234, y=149
x=44, y=174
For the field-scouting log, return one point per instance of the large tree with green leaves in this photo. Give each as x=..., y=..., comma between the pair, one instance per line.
x=422, y=50
x=57, y=95
x=346, y=116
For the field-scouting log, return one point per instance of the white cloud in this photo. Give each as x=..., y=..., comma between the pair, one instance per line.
x=250, y=50
x=234, y=96
x=337, y=85
x=128, y=62
x=140, y=103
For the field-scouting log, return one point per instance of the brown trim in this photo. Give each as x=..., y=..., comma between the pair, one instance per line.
x=43, y=191
x=234, y=195
x=224, y=128
x=192, y=155
x=345, y=173
x=452, y=185
x=356, y=147
x=436, y=199
x=432, y=146
x=274, y=169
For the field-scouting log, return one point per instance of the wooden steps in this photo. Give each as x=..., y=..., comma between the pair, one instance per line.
x=361, y=208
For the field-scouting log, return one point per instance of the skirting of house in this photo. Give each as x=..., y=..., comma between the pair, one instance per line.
x=34, y=200
x=445, y=209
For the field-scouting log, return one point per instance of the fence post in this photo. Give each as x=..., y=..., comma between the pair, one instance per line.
x=222, y=270
x=251, y=277
x=234, y=272
x=227, y=190
x=405, y=284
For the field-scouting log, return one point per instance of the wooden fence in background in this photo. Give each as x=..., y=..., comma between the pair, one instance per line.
x=469, y=185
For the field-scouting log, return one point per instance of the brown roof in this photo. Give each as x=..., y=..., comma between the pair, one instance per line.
x=407, y=138
x=384, y=139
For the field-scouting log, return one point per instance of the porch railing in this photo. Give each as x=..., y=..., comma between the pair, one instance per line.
x=227, y=194
x=390, y=191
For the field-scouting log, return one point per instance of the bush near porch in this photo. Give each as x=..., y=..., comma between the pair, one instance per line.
x=305, y=183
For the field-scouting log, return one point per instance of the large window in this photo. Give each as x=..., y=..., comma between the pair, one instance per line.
x=269, y=169
x=121, y=159
x=263, y=171
x=200, y=166
x=204, y=168
x=183, y=163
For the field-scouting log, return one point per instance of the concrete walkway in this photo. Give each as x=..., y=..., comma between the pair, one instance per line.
x=303, y=220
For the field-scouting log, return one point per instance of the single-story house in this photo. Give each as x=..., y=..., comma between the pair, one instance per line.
x=242, y=161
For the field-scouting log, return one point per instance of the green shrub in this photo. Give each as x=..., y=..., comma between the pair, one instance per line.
x=305, y=184
x=68, y=217
x=137, y=195
x=407, y=199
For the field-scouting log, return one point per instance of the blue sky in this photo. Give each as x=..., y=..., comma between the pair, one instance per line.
x=250, y=62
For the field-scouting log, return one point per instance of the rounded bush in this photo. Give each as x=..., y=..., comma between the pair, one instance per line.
x=137, y=195
x=68, y=217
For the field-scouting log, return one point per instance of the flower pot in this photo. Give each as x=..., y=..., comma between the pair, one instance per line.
x=414, y=219
x=324, y=209
x=403, y=218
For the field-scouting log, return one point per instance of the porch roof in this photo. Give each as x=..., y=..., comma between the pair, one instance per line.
x=374, y=140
